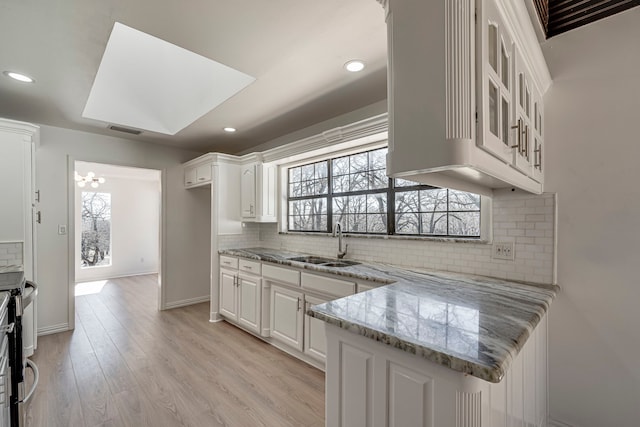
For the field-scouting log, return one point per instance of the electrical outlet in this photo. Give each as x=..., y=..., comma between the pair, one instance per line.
x=62, y=229
x=503, y=250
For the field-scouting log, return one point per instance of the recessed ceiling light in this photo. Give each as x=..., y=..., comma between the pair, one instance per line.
x=229, y=129
x=354, y=66
x=19, y=77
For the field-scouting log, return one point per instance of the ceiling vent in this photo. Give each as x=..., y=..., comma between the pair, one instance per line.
x=559, y=16
x=125, y=130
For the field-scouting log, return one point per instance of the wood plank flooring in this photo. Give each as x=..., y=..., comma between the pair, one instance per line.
x=126, y=364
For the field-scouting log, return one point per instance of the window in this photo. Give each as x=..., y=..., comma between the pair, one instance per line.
x=355, y=191
x=95, y=244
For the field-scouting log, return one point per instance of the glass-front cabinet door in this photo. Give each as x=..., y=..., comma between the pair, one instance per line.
x=523, y=138
x=497, y=64
x=537, y=171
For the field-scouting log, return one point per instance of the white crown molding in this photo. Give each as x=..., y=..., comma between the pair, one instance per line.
x=520, y=26
x=30, y=132
x=375, y=127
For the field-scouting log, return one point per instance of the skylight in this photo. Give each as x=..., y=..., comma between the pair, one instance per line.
x=147, y=83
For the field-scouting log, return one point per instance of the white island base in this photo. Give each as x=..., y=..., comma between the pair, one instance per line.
x=372, y=384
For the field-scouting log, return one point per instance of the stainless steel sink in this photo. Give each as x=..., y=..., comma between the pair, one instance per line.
x=312, y=259
x=325, y=262
x=340, y=264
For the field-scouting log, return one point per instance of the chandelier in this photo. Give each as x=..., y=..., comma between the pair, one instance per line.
x=89, y=179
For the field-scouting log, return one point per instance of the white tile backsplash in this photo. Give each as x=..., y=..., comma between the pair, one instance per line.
x=11, y=253
x=525, y=220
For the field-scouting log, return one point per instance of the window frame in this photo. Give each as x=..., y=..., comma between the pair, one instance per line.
x=391, y=190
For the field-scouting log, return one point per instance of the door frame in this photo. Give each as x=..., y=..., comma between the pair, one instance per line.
x=71, y=234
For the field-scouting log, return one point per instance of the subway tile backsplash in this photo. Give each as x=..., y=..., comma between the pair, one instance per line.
x=11, y=253
x=525, y=220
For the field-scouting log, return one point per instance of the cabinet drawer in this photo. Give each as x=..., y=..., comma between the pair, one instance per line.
x=283, y=275
x=327, y=285
x=249, y=266
x=228, y=262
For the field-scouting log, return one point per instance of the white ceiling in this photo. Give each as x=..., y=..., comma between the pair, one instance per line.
x=294, y=48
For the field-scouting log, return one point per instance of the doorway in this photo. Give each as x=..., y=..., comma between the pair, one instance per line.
x=116, y=227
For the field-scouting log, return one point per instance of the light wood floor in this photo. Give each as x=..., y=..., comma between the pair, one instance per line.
x=126, y=364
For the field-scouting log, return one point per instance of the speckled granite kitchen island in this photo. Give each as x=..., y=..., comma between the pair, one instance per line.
x=422, y=337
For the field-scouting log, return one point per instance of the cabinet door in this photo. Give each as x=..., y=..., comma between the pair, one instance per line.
x=189, y=176
x=496, y=52
x=228, y=294
x=248, y=191
x=203, y=173
x=287, y=316
x=249, y=302
x=315, y=338
x=537, y=171
x=522, y=159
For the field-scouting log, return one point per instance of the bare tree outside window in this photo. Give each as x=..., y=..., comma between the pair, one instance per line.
x=95, y=240
x=355, y=191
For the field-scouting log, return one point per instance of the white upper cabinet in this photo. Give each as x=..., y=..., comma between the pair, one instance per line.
x=455, y=118
x=17, y=188
x=198, y=172
x=248, y=189
x=496, y=67
x=258, y=192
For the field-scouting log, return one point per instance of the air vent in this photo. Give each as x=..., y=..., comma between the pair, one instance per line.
x=125, y=130
x=560, y=16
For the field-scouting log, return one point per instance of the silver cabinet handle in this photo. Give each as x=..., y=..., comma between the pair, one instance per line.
x=39, y=217
x=538, y=157
x=299, y=307
x=518, y=133
x=251, y=209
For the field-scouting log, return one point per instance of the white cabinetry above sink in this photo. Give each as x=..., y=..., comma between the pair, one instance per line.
x=466, y=86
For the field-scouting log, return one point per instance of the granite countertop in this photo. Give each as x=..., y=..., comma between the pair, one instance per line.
x=472, y=324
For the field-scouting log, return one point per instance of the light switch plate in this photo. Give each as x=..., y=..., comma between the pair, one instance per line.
x=503, y=250
x=62, y=229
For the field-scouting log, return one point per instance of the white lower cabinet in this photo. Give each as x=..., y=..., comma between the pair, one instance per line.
x=372, y=384
x=315, y=339
x=228, y=294
x=287, y=316
x=249, y=302
x=241, y=298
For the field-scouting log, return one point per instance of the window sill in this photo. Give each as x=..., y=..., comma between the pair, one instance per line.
x=392, y=237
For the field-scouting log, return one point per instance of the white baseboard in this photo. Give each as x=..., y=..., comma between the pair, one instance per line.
x=54, y=329
x=555, y=423
x=185, y=302
x=110, y=276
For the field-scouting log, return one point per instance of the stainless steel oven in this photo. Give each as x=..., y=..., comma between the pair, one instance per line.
x=5, y=372
x=16, y=391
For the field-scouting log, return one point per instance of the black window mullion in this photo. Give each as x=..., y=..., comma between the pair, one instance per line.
x=330, y=196
x=391, y=191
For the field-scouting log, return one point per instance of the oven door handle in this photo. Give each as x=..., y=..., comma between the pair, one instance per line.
x=7, y=329
x=36, y=378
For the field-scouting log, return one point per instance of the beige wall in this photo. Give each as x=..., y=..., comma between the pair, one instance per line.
x=187, y=218
x=593, y=114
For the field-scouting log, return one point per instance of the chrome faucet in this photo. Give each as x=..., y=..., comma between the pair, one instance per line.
x=337, y=230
